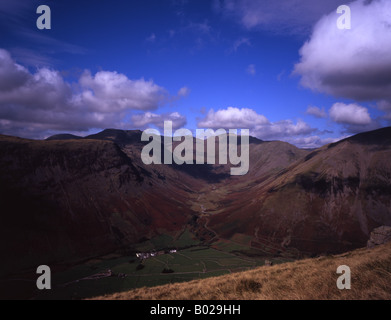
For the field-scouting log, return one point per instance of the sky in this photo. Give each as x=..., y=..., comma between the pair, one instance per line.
x=282, y=69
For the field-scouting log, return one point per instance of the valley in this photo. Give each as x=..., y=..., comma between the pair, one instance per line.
x=86, y=205
x=119, y=272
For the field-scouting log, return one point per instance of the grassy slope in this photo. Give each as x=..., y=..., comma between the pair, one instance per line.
x=305, y=279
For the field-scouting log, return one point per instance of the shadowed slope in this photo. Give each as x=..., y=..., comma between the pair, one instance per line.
x=328, y=201
x=69, y=200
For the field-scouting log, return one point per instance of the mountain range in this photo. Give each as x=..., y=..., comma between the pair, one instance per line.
x=69, y=198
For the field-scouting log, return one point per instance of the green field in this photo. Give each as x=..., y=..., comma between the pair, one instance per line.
x=191, y=263
x=184, y=239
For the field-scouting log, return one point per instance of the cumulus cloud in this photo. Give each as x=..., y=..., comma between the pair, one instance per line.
x=34, y=103
x=11, y=74
x=350, y=114
x=232, y=118
x=22, y=91
x=144, y=120
x=282, y=130
x=108, y=91
x=353, y=63
x=288, y=16
x=353, y=117
x=259, y=125
x=316, y=112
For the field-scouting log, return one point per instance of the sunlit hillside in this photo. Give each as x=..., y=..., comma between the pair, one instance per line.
x=305, y=279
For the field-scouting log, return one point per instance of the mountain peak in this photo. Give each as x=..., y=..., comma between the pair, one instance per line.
x=380, y=136
x=63, y=136
x=117, y=135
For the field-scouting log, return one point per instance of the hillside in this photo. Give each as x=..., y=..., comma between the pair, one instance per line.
x=327, y=201
x=308, y=279
x=67, y=199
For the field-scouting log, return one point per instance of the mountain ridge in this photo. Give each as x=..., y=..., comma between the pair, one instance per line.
x=67, y=199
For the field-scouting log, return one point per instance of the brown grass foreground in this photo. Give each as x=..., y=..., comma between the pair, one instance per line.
x=305, y=279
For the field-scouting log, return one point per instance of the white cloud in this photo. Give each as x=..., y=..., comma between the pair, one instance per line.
x=34, y=103
x=282, y=130
x=142, y=121
x=350, y=114
x=316, y=112
x=353, y=63
x=251, y=70
x=108, y=91
x=353, y=117
x=19, y=89
x=11, y=74
x=232, y=118
x=259, y=125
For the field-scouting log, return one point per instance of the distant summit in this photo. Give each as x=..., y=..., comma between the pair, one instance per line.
x=63, y=136
x=121, y=137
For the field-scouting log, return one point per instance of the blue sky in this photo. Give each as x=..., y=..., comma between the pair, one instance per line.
x=205, y=63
